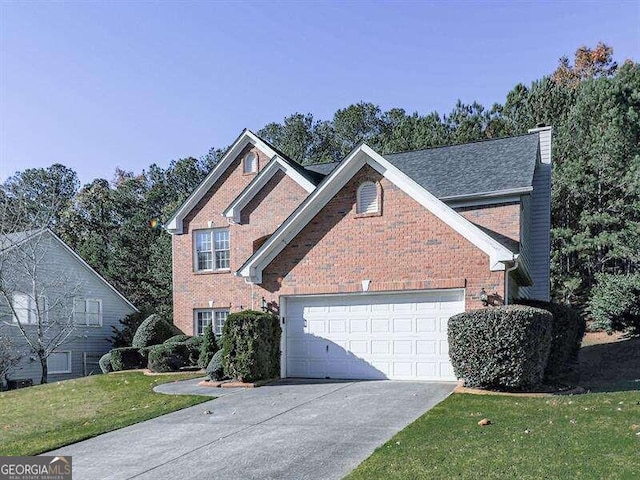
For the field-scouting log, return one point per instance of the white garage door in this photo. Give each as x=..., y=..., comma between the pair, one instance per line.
x=367, y=336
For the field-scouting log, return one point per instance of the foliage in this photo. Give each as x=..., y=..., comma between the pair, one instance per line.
x=153, y=331
x=126, y=358
x=209, y=347
x=123, y=337
x=9, y=356
x=566, y=336
x=528, y=439
x=169, y=357
x=45, y=417
x=215, y=369
x=502, y=347
x=615, y=302
x=181, y=338
x=105, y=363
x=194, y=347
x=251, y=344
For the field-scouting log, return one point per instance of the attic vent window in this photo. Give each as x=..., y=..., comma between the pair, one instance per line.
x=250, y=163
x=367, y=198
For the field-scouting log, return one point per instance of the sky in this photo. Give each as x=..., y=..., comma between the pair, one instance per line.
x=123, y=84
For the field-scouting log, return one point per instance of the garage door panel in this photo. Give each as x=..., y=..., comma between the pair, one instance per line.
x=401, y=336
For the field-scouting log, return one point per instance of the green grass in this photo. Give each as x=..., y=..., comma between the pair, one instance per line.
x=591, y=436
x=37, y=419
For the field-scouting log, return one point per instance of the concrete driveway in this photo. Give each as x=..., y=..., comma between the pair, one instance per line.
x=291, y=429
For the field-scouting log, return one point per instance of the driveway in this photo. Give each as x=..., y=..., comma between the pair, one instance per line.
x=292, y=429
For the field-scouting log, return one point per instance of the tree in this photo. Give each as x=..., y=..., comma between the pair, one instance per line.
x=9, y=355
x=588, y=63
x=37, y=296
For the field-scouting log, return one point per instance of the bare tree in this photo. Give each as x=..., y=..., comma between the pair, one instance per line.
x=9, y=356
x=37, y=295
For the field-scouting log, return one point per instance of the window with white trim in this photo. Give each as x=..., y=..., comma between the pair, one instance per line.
x=25, y=311
x=250, y=163
x=203, y=318
x=367, y=198
x=59, y=362
x=87, y=311
x=212, y=249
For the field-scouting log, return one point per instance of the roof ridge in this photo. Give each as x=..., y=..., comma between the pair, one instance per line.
x=484, y=140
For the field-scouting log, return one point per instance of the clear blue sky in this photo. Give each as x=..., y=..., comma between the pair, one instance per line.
x=97, y=85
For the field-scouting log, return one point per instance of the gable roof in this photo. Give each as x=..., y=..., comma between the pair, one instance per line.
x=277, y=163
x=13, y=240
x=252, y=268
x=497, y=165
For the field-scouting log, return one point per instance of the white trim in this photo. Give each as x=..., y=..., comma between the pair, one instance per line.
x=485, y=198
x=275, y=164
x=211, y=232
x=253, y=167
x=70, y=363
x=174, y=225
x=362, y=155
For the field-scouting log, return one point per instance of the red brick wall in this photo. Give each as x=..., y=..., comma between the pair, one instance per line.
x=271, y=206
x=503, y=219
x=406, y=247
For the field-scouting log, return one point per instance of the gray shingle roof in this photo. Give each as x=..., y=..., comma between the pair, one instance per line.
x=322, y=168
x=472, y=168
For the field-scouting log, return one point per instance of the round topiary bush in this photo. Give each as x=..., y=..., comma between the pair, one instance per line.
x=168, y=357
x=105, y=363
x=153, y=331
x=215, y=370
x=502, y=347
x=126, y=358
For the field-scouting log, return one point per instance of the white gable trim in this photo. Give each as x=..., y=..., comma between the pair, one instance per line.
x=174, y=225
x=252, y=269
x=277, y=163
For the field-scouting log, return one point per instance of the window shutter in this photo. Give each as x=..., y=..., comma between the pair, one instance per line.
x=367, y=198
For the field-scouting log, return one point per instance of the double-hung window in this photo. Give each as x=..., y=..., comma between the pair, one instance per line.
x=59, y=362
x=87, y=311
x=25, y=310
x=212, y=249
x=216, y=318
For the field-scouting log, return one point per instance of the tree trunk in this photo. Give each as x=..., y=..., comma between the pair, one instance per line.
x=43, y=363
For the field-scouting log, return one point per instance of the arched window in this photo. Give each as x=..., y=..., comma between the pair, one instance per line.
x=250, y=163
x=367, y=198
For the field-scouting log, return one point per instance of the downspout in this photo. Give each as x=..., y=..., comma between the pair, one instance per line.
x=506, y=280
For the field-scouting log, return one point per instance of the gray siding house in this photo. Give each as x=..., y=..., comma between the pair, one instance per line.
x=71, y=294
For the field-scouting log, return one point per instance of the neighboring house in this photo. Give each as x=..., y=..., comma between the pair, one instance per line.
x=365, y=259
x=70, y=293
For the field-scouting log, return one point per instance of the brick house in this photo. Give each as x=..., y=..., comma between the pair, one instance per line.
x=365, y=259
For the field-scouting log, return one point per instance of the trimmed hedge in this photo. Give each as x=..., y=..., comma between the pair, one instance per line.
x=168, y=357
x=502, y=347
x=177, y=339
x=566, y=336
x=153, y=331
x=208, y=348
x=126, y=358
x=105, y=363
x=215, y=369
x=251, y=344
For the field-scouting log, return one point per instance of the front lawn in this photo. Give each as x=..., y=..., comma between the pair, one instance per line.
x=37, y=419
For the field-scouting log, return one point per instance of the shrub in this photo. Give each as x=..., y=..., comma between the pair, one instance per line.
x=194, y=345
x=251, y=344
x=177, y=339
x=153, y=331
x=566, y=336
x=208, y=348
x=503, y=347
x=105, y=363
x=215, y=370
x=614, y=304
x=126, y=358
x=168, y=357
x=124, y=336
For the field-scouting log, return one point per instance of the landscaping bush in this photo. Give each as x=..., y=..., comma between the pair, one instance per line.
x=194, y=345
x=168, y=357
x=105, y=363
x=126, y=358
x=566, y=336
x=251, y=344
x=614, y=304
x=208, y=348
x=215, y=370
x=153, y=331
x=178, y=339
x=502, y=347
